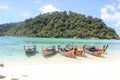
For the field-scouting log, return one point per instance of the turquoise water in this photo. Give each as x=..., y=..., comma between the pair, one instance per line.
x=12, y=48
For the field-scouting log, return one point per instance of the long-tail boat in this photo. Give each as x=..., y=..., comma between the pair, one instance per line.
x=96, y=51
x=30, y=49
x=66, y=51
x=48, y=51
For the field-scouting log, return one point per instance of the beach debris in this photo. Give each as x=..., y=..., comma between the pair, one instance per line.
x=2, y=76
x=24, y=75
x=15, y=79
x=1, y=65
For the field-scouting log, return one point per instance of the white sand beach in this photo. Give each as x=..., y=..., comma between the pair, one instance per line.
x=82, y=68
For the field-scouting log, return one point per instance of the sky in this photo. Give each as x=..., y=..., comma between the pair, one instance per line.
x=19, y=10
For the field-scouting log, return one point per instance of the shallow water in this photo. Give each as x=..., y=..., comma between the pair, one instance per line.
x=12, y=48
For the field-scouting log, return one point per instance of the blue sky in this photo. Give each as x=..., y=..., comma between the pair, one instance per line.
x=19, y=10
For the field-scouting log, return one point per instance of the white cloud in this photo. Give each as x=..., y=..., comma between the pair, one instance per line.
x=38, y=1
x=4, y=6
x=48, y=8
x=105, y=15
x=111, y=13
x=110, y=7
x=26, y=14
x=103, y=10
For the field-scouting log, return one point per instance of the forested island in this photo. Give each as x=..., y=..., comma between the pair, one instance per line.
x=61, y=25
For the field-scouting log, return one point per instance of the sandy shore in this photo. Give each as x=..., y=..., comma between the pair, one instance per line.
x=82, y=68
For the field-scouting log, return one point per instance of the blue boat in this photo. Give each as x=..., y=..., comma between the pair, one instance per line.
x=30, y=49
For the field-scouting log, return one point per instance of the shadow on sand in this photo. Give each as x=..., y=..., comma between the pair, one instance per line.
x=51, y=55
x=96, y=55
x=31, y=54
x=76, y=57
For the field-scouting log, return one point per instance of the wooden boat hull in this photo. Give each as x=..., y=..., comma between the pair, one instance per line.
x=46, y=53
x=68, y=54
x=99, y=52
x=81, y=52
x=49, y=50
x=29, y=50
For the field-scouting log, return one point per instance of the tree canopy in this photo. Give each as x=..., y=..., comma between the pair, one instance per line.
x=5, y=27
x=63, y=24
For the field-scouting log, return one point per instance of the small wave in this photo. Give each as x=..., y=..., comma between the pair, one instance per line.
x=9, y=55
x=3, y=44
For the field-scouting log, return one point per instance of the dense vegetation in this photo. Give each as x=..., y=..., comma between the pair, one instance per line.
x=65, y=25
x=5, y=27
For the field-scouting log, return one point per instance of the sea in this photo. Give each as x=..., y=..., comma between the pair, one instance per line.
x=12, y=48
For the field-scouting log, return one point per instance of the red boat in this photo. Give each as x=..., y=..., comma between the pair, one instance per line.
x=81, y=52
x=68, y=53
x=96, y=51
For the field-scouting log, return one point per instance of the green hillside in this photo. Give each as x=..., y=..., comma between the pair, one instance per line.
x=5, y=27
x=64, y=25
